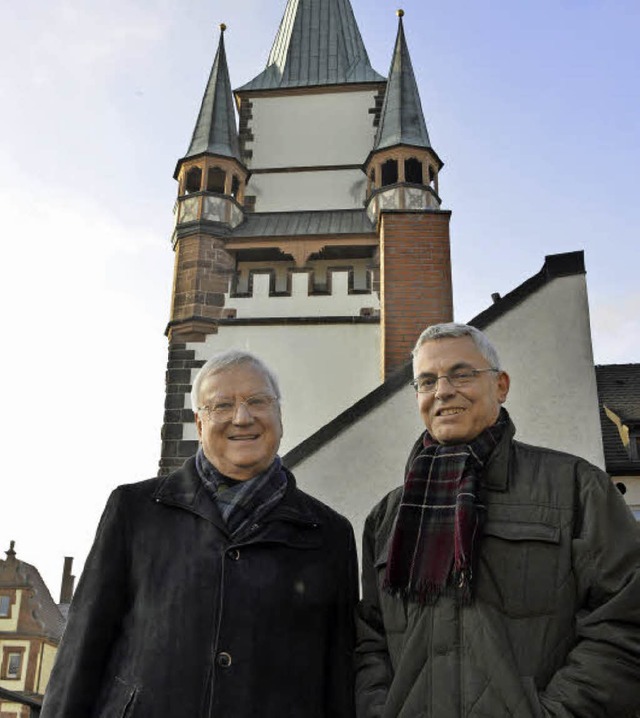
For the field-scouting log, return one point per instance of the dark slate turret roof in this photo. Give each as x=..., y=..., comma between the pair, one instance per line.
x=318, y=43
x=215, y=131
x=401, y=121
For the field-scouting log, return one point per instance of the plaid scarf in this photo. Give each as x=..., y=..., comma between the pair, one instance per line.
x=242, y=503
x=440, y=518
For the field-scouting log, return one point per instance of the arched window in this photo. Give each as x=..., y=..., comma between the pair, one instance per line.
x=413, y=171
x=432, y=175
x=235, y=187
x=194, y=180
x=389, y=172
x=215, y=180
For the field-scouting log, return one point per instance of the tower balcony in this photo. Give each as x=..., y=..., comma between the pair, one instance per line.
x=402, y=196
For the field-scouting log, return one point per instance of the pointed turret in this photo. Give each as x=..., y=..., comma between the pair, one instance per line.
x=215, y=131
x=318, y=43
x=212, y=180
x=402, y=120
x=402, y=168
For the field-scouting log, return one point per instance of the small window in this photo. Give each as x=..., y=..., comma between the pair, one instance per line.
x=14, y=665
x=215, y=180
x=235, y=187
x=413, y=170
x=5, y=606
x=194, y=180
x=389, y=172
x=11, y=662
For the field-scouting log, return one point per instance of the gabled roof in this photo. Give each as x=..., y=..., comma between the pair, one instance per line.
x=401, y=120
x=215, y=131
x=555, y=265
x=619, y=399
x=45, y=617
x=318, y=43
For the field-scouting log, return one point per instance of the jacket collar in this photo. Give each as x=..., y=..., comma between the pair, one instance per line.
x=496, y=476
x=184, y=489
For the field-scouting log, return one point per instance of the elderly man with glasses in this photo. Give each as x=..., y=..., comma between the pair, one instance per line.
x=219, y=591
x=502, y=580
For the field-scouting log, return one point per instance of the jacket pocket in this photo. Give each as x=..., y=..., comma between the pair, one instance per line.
x=518, y=566
x=120, y=700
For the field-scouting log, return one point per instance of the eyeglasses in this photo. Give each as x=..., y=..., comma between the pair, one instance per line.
x=427, y=384
x=223, y=409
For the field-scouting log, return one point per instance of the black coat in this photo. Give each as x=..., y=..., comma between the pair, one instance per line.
x=172, y=619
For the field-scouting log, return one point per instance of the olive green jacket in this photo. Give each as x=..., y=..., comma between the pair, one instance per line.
x=554, y=628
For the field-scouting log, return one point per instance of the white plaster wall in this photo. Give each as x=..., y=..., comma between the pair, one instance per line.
x=294, y=191
x=545, y=345
x=365, y=461
x=312, y=129
x=301, y=303
x=322, y=369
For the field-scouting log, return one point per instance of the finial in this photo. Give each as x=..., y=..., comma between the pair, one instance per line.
x=400, y=13
x=11, y=553
x=223, y=27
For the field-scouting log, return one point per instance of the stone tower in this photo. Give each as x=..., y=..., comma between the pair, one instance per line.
x=313, y=235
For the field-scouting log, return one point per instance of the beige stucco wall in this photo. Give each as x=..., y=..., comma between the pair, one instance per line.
x=300, y=303
x=48, y=657
x=310, y=130
x=305, y=130
x=545, y=345
x=322, y=368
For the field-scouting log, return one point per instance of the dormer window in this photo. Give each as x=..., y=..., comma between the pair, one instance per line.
x=5, y=606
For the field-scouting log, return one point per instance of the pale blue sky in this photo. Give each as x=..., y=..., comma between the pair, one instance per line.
x=533, y=106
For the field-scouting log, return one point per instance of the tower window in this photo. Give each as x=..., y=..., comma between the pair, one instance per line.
x=194, y=180
x=215, y=180
x=432, y=175
x=389, y=172
x=413, y=171
x=235, y=186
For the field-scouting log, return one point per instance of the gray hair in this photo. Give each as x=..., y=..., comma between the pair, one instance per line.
x=453, y=330
x=225, y=360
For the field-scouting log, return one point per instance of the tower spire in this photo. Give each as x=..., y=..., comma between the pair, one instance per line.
x=318, y=43
x=401, y=120
x=215, y=131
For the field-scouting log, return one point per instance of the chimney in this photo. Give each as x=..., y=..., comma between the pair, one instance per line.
x=66, y=589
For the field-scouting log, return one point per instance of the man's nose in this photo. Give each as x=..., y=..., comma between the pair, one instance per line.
x=241, y=414
x=444, y=387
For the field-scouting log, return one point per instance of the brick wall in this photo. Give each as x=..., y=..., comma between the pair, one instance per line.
x=415, y=280
x=177, y=413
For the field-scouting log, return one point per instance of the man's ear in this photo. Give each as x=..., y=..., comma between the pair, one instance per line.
x=504, y=382
x=199, y=425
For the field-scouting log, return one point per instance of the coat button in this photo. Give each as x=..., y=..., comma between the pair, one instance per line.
x=233, y=554
x=223, y=659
